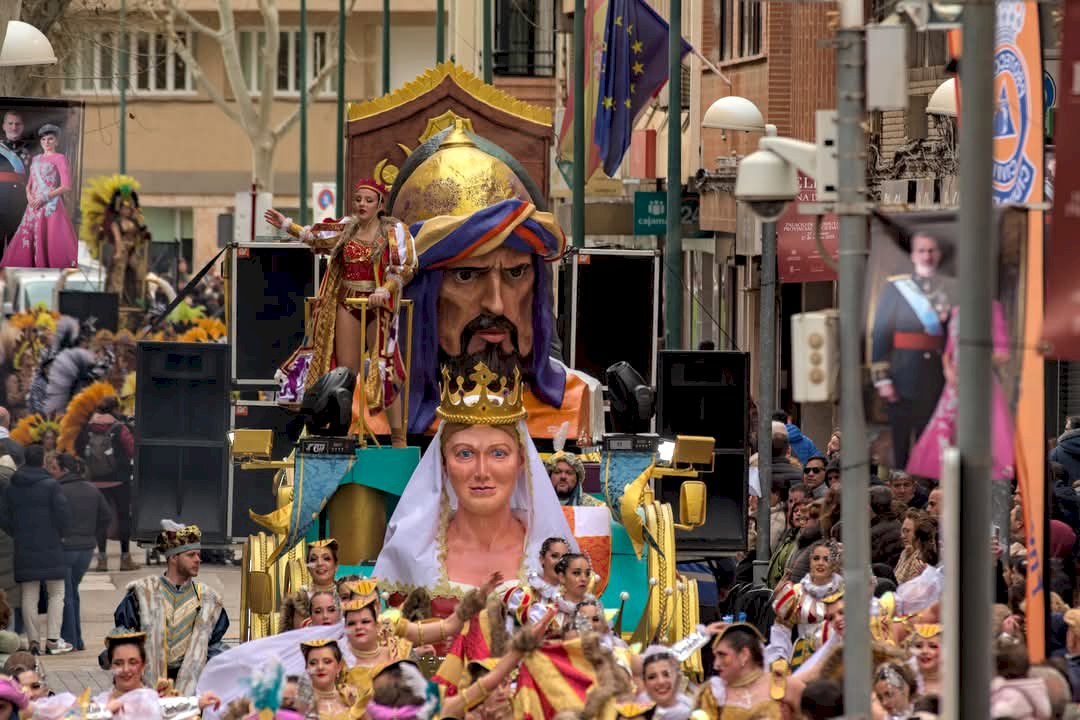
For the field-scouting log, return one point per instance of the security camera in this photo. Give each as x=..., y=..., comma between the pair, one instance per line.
x=766, y=182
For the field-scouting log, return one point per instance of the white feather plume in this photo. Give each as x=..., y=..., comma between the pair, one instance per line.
x=171, y=525
x=559, y=441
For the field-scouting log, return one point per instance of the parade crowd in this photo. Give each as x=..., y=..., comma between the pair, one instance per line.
x=542, y=646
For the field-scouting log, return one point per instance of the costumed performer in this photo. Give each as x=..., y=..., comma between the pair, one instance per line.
x=322, y=566
x=894, y=690
x=375, y=641
x=665, y=684
x=45, y=238
x=184, y=620
x=334, y=698
x=545, y=581
x=131, y=697
x=742, y=689
x=371, y=256
x=485, y=483
x=925, y=645
x=801, y=603
x=568, y=473
x=115, y=231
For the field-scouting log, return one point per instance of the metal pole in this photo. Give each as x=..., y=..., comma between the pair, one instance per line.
x=855, y=498
x=673, y=257
x=581, y=152
x=302, y=60
x=386, y=47
x=123, y=85
x=766, y=394
x=973, y=360
x=440, y=31
x=488, y=70
x=339, y=169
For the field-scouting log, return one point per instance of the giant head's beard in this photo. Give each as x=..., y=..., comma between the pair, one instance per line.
x=499, y=362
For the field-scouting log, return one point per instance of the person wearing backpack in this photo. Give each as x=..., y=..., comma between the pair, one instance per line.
x=107, y=447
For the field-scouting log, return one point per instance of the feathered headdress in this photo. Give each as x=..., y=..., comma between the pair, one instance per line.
x=96, y=198
x=78, y=413
x=32, y=428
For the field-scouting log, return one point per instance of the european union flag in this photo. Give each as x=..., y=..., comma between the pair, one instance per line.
x=633, y=68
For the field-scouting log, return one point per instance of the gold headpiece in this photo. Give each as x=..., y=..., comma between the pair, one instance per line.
x=481, y=405
x=325, y=543
x=833, y=597
x=927, y=630
x=316, y=644
x=123, y=634
x=365, y=592
x=634, y=709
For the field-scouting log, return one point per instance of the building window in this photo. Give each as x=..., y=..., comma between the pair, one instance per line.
x=740, y=28
x=927, y=49
x=252, y=42
x=154, y=66
x=524, y=38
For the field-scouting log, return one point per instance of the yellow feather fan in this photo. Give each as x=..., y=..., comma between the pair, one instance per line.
x=127, y=395
x=96, y=196
x=78, y=412
x=214, y=328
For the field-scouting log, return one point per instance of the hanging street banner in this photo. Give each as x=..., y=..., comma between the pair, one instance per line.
x=1018, y=105
x=797, y=251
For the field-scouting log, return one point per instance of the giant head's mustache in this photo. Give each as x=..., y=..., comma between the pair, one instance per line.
x=487, y=321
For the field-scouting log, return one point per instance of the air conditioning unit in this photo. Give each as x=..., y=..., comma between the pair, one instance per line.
x=815, y=355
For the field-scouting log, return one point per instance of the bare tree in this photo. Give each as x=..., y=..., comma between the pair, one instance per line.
x=251, y=111
x=46, y=16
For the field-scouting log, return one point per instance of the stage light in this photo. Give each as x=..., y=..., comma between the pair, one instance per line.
x=632, y=400
x=327, y=405
x=666, y=451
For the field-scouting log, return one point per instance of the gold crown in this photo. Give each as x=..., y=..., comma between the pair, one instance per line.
x=174, y=542
x=833, y=597
x=927, y=630
x=481, y=405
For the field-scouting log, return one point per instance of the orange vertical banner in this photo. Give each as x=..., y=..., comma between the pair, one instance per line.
x=1018, y=106
x=1031, y=439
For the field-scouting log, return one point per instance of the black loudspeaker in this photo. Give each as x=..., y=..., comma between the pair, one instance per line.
x=707, y=393
x=102, y=309
x=268, y=288
x=181, y=438
x=254, y=489
x=604, y=294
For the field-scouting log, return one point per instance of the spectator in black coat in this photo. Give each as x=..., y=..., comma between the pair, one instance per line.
x=1067, y=451
x=8, y=446
x=89, y=513
x=886, y=539
x=36, y=515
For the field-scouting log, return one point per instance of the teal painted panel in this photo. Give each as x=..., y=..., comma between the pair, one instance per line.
x=629, y=574
x=361, y=570
x=385, y=469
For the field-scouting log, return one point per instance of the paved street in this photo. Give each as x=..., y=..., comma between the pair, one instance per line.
x=100, y=594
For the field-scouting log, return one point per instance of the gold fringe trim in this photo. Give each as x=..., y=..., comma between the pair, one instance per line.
x=433, y=77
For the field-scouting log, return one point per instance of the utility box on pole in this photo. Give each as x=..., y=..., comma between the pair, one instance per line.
x=815, y=355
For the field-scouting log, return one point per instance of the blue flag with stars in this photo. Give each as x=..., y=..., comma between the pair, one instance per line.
x=633, y=68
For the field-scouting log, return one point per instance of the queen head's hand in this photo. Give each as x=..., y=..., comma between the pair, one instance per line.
x=492, y=582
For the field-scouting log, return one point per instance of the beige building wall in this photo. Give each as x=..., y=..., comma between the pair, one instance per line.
x=188, y=154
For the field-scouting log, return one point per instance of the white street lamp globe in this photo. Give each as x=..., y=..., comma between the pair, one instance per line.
x=734, y=113
x=24, y=44
x=943, y=101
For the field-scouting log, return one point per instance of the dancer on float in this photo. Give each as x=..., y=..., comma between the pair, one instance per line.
x=925, y=645
x=322, y=565
x=664, y=684
x=801, y=603
x=334, y=698
x=371, y=256
x=743, y=688
x=546, y=581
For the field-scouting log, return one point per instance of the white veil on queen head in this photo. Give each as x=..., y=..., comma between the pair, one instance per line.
x=413, y=553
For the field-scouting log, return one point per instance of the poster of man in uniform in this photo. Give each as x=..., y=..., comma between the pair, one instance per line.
x=913, y=315
x=40, y=169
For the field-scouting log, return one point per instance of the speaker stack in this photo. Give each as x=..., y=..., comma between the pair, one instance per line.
x=181, y=437
x=185, y=407
x=707, y=393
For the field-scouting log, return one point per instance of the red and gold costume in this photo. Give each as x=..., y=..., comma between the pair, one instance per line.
x=358, y=268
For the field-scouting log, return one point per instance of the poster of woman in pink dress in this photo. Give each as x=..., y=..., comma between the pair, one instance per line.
x=45, y=237
x=940, y=432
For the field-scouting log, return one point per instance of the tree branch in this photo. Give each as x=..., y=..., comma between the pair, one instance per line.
x=234, y=70
x=269, y=59
x=190, y=20
x=197, y=73
x=320, y=77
